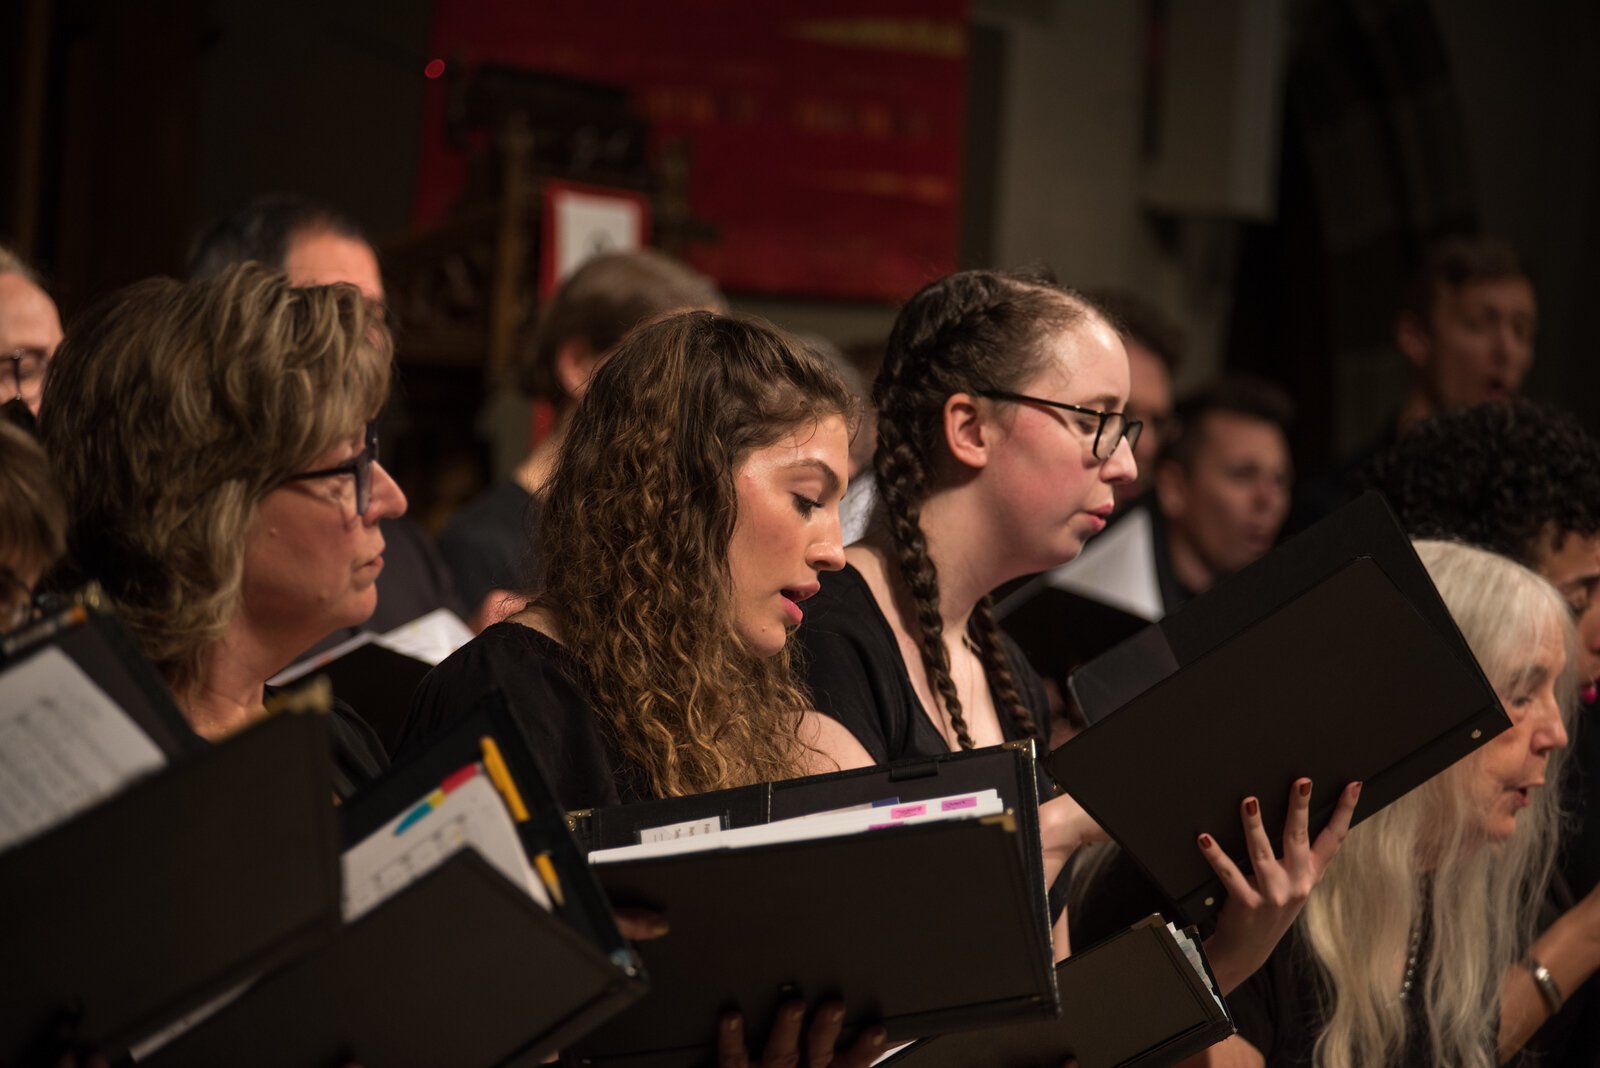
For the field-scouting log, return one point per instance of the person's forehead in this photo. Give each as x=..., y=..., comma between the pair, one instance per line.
x=1568, y=556
x=320, y=258
x=27, y=315
x=1512, y=291
x=1090, y=366
x=1228, y=432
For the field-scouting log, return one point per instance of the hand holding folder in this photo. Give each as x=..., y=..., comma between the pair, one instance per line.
x=1332, y=657
x=1263, y=904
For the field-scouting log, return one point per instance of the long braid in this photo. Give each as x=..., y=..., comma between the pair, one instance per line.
x=997, y=667
x=970, y=331
x=902, y=484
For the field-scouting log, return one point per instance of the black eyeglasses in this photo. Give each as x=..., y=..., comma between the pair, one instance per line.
x=27, y=372
x=359, y=466
x=1111, y=431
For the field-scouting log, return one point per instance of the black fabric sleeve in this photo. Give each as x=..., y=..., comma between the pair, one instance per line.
x=538, y=680
x=838, y=680
x=358, y=754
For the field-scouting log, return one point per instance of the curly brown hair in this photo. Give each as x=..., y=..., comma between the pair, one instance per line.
x=968, y=332
x=172, y=410
x=636, y=523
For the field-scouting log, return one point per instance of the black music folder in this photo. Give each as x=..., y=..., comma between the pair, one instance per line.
x=1332, y=657
x=925, y=928
x=165, y=896
x=1140, y=998
x=454, y=962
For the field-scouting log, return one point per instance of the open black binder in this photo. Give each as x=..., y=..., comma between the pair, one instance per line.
x=1134, y=999
x=1331, y=657
x=170, y=892
x=460, y=967
x=926, y=929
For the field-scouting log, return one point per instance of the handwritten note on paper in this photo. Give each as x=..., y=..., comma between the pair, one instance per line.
x=64, y=745
x=468, y=815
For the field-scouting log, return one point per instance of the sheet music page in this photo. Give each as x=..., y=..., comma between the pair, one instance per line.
x=64, y=745
x=305, y=667
x=463, y=812
x=1193, y=953
x=429, y=638
x=821, y=825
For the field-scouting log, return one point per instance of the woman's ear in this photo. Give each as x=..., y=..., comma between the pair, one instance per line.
x=575, y=362
x=968, y=430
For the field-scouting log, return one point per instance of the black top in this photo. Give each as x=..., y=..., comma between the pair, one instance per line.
x=414, y=581
x=1279, y=1011
x=854, y=672
x=489, y=543
x=545, y=693
x=358, y=755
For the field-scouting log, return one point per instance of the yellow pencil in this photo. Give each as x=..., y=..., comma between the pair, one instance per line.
x=547, y=872
x=501, y=777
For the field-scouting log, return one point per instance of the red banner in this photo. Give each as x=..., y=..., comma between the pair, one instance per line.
x=826, y=134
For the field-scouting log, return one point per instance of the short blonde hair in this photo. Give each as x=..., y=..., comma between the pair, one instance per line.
x=173, y=409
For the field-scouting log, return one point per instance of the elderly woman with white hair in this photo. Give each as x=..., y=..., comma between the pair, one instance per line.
x=1419, y=946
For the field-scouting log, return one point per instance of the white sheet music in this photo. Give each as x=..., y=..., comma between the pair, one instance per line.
x=821, y=825
x=418, y=840
x=429, y=638
x=64, y=745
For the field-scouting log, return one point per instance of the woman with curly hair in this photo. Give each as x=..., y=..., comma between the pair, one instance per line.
x=691, y=508
x=1001, y=438
x=693, y=504
x=212, y=440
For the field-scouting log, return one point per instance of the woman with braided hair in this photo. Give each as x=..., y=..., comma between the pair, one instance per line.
x=1001, y=438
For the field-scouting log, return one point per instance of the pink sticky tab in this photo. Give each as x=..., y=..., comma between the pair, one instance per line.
x=958, y=802
x=903, y=812
x=882, y=826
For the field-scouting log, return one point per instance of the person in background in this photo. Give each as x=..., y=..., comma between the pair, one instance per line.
x=33, y=520
x=1155, y=349
x=212, y=440
x=314, y=245
x=1466, y=326
x=30, y=331
x=489, y=543
x=1222, y=484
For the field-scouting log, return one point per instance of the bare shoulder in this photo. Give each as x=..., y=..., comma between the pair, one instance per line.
x=828, y=746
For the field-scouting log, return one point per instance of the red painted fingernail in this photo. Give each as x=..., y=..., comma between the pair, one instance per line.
x=1250, y=807
x=1205, y=841
x=1358, y=790
x=1305, y=788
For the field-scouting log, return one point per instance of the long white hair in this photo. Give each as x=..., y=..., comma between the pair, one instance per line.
x=1479, y=901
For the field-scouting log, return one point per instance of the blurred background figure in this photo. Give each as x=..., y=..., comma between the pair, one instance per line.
x=1155, y=349
x=489, y=543
x=30, y=330
x=1222, y=485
